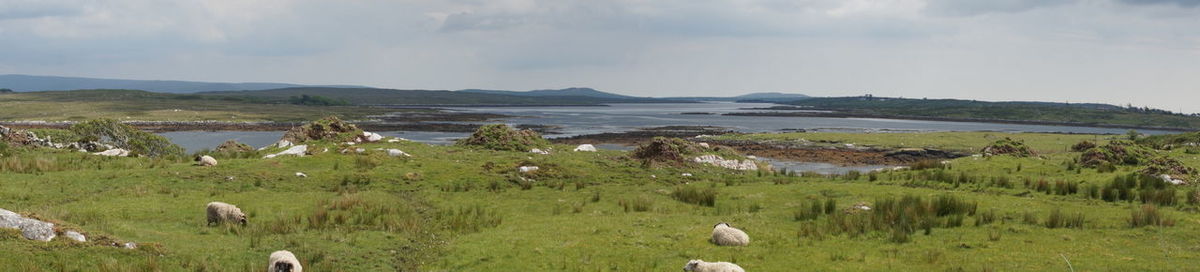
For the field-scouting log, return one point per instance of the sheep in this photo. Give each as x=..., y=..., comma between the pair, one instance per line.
x=702, y=266
x=206, y=160
x=284, y=261
x=225, y=212
x=725, y=235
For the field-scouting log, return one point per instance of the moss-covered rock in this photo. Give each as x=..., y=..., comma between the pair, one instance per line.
x=1083, y=146
x=233, y=146
x=1008, y=146
x=503, y=138
x=330, y=128
x=1167, y=166
x=1116, y=153
x=666, y=150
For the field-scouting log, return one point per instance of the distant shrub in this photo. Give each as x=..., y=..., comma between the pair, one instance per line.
x=316, y=100
x=330, y=128
x=469, y=219
x=636, y=204
x=124, y=136
x=695, y=195
x=1083, y=146
x=1148, y=215
x=503, y=138
x=1058, y=219
x=1008, y=146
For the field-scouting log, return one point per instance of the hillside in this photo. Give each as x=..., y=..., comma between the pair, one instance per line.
x=147, y=106
x=29, y=83
x=1075, y=114
x=371, y=96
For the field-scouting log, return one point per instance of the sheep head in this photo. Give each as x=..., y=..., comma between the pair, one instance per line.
x=691, y=265
x=283, y=267
x=722, y=223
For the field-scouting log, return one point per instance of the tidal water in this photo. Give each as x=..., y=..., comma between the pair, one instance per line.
x=582, y=120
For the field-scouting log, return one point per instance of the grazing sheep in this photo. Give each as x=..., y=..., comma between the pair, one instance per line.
x=206, y=160
x=725, y=235
x=702, y=266
x=284, y=261
x=225, y=212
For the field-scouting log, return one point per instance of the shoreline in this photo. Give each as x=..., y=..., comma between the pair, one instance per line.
x=952, y=119
x=177, y=126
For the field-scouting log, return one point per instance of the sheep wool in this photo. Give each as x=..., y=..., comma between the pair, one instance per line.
x=207, y=161
x=702, y=266
x=284, y=261
x=224, y=212
x=725, y=235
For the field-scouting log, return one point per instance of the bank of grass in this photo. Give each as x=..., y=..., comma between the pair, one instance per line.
x=454, y=208
x=146, y=106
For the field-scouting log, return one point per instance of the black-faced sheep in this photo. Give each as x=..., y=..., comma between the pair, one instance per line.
x=206, y=161
x=224, y=212
x=284, y=261
x=725, y=235
x=702, y=266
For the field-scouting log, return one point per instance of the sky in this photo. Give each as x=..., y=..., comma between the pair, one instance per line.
x=1140, y=52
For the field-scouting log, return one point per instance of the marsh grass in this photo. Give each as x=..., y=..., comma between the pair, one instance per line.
x=1149, y=215
x=706, y=196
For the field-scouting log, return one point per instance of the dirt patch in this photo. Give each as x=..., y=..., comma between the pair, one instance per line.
x=837, y=155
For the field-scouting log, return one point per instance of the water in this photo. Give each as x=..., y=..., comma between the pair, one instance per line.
x=820, y=167
x=575, y=120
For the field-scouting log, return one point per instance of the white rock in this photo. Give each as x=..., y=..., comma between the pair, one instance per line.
x=745, y=165
x=130, y=245
x=898, y=168
x=301, y=174
x=1168, y=179
x=585, y=148
x=279, y=144
x=539, y=151
x=359, y=150
x=686, y=174
x=397, y=140
x=704, y=145
x=33, y=229
x=115, y=152
x=752, y=157
x=10, y=220
x=350, y=143
x=371, y=137
x=524, y=169
x=75, y=236
x=396, y=153
x=295, y=150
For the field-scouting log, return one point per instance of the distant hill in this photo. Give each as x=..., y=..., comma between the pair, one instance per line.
x=29, y=83
x=771, y=97
x=587, y=92
x=372, y=96
x=1064, y=113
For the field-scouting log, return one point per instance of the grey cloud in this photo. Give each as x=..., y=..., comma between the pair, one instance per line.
x=1181, y=3
x=972, y=8
x=18, y=9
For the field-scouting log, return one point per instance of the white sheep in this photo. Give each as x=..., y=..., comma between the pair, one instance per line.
x=206, y=160
x=222, y=212
x=725, y=235
x=702, y=266
x=284, y=261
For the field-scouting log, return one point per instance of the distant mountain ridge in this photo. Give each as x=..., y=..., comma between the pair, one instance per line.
x=374, y=96
x=31, y=83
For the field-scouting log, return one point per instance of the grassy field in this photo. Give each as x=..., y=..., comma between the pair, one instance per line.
x=451, y=208
x=146, y=106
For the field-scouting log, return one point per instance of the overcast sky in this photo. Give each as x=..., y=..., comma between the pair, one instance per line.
x=1145, y=52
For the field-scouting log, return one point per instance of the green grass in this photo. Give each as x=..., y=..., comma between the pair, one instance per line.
x=453, y=208
x=1041, y=143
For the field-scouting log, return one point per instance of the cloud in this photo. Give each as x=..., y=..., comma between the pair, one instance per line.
x=27, y=9
x=1181, y=3
x=972, y=8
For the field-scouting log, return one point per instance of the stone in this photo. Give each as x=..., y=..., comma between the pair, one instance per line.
x=298, y=150
x=75, y=236
x=585, y=148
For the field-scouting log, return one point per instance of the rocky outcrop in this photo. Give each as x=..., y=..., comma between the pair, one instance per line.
x=115, y=152
x=298, y=150
x=744, y=165
x=31, y=229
